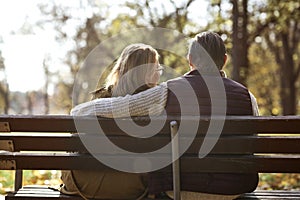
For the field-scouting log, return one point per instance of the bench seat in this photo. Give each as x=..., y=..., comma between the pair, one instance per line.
x=45, y=193
x=39, y=192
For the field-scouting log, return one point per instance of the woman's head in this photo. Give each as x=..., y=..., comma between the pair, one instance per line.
x=135, y=70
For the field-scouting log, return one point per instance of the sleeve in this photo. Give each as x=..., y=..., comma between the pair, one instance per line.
x=151, y=101
x=255, y=109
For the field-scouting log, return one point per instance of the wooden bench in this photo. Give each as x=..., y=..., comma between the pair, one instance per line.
x=45, y=142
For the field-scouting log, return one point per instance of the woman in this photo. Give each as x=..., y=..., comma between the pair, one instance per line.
x=136, y=70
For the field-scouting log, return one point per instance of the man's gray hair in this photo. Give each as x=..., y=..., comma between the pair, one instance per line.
x=206, y=50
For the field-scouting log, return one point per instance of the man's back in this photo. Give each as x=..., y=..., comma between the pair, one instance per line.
x=238, y=102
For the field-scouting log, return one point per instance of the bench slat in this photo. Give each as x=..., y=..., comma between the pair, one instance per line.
x=211, y=163
x=65, y=123
x=45, y=193
x=225, y=145
x=270, y=194
x=28, y=193
x=39, y=192
x=261, y=164
x=44, y=142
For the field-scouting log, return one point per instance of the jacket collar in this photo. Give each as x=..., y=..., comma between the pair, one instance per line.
x=196, y=72
x=192, y=72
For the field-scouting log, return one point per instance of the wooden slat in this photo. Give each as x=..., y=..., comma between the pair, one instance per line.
x=36, y=123
x=40, y=193
x=284, y=124
x=267, y=124
x=289, y=145
x=225, y=145
x=44, y=193
x=54, y=161
x=212, y=163
x=263, y=164
x=271, y=194
x=251, y=144
x=44, y=142
x=234, y=124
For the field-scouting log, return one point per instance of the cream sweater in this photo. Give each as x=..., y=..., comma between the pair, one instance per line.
x=151, y=101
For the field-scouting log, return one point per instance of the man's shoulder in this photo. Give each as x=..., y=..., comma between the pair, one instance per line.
x=182, y=77
x=228, y=81
x=174, y=80
x=177, y=82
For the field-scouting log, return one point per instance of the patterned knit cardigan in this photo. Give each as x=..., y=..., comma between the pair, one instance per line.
x=151, y=101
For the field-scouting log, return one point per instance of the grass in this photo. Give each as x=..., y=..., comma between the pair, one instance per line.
x=6, y=181
x=278, y=181
x=30, y=177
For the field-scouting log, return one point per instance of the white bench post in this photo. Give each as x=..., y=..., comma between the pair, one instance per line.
x=175, y=163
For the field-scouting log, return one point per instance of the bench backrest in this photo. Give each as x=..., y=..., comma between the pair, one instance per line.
x=247, y=144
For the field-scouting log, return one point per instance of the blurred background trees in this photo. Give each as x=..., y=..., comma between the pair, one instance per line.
x=262, y=38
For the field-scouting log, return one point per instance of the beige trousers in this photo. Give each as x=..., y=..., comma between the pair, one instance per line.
x=106, y=184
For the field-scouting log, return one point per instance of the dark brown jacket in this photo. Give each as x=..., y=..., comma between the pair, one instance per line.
x=238, y=103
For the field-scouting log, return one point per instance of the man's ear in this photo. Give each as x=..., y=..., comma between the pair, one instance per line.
x=190, y=62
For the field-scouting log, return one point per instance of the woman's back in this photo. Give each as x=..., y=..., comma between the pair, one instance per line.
x=136, y=70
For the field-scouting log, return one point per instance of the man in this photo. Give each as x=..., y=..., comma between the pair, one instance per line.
x=190, y=94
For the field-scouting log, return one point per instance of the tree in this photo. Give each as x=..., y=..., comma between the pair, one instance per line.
x=263, y=75
x=242, y=23
x=276, y=25
x=4, y=87
x=151, y=13
x=282, y=35
x=240, y=44
x=231, y=21
x=83, y=41
x=91, y=31
x=46, y=86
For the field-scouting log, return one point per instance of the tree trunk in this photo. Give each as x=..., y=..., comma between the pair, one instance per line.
x=288, y=87
x=45, y=93
x=240, y=45
x=6, y=99
x=29, y=102
x=284, y=58
x=4, y=91
x=4, y=87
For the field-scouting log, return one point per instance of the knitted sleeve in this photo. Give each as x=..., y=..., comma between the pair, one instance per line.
x=151, y=101
x=255, y=109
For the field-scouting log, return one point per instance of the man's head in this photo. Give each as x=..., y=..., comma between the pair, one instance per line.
x=205, y=45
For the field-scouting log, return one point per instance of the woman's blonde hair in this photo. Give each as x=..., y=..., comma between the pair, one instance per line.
x=123, y=80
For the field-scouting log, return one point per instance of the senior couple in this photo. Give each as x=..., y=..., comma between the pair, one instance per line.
x=134, y=79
